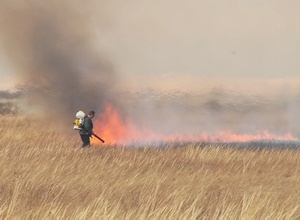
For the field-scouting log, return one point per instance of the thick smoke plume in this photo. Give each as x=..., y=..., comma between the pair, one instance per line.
x=48, y=43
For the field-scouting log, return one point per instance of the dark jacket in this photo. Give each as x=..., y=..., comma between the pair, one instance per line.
x=87, y=126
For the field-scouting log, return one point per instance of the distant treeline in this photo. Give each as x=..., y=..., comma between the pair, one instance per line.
x=8, y=103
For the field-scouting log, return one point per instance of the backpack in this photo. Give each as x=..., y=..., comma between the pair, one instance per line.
x=77, y=124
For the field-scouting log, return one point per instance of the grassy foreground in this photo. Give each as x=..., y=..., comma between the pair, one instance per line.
x=46, y=175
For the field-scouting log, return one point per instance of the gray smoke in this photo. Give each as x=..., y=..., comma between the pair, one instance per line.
x=49, y=45
x=216, y=110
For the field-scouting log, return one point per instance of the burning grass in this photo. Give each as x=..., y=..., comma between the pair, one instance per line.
x=45, y=175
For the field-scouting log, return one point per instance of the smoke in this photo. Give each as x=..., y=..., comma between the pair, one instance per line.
x=194, y=113
x=49, y=45
x=61, y=69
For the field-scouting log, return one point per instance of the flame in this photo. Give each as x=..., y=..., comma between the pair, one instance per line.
x=115, y=129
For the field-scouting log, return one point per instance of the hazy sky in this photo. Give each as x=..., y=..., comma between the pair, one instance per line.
x=196, y=39
x=203, y=38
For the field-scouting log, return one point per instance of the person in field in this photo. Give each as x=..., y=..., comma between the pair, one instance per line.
x=87, y=129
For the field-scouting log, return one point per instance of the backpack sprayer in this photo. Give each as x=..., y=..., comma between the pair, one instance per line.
x=78, y=123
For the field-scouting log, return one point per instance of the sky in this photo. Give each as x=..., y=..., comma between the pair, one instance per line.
x=194, y=39
x=247, y=38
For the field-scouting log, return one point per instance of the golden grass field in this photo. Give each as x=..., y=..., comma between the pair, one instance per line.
x=46, y=175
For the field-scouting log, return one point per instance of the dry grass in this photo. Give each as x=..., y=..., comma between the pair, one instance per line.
x=45, y=175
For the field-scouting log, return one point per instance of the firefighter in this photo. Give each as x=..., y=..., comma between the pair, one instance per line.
x=87, y=129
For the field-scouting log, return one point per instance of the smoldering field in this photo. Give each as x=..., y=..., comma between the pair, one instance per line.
x=44, y=174
x=217, y=115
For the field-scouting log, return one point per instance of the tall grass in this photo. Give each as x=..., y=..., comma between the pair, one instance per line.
x=46, y=175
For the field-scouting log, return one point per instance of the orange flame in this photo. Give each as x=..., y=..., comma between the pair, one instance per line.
x=117, y=130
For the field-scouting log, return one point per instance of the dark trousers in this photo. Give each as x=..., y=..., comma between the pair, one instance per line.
x=85, y=139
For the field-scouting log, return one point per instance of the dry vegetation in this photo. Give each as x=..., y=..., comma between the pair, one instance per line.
x=46, y=175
